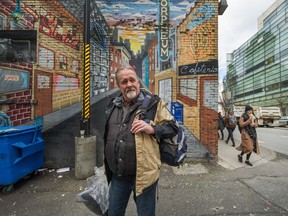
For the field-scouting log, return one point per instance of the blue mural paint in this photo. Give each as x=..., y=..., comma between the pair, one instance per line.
x=25, y=80
x=17, y=14
x=147, y=77
x=98, y=35
x=202, y=14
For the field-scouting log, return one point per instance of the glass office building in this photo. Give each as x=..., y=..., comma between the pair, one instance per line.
x=257, y=72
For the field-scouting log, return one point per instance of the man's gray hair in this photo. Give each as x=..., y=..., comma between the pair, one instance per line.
x=122, y=68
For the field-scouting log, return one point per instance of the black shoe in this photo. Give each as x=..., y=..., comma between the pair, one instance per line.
x=240, y=159
x=222, y=138
x=226, y=141
x=248, y=163
x=233, y=145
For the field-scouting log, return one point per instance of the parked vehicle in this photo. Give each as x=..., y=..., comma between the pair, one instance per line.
x=267, y=116
x=283, y=121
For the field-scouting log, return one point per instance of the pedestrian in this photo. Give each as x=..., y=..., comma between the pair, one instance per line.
x=249, y=142
x=220, y=125
x=230, y=124
x=132, y=156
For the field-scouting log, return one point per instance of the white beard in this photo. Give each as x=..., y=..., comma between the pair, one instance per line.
x=131, y=94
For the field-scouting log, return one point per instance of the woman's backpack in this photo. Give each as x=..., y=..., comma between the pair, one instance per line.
x=232, y=120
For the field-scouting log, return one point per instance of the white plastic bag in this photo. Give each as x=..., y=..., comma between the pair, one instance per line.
x=95, y=197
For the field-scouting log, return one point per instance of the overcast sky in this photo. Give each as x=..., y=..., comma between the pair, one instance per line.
x=237, y=25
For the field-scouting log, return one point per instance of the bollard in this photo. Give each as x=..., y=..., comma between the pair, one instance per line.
x=85, y=156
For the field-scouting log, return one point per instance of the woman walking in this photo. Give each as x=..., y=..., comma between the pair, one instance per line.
x=248, y=124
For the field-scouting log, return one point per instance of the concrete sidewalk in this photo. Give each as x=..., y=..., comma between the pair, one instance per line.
x=227, y=156
x=226, y=187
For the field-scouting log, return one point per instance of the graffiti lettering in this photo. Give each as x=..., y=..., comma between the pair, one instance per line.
x=49, y=25
x=199, y=68
x=164, y=30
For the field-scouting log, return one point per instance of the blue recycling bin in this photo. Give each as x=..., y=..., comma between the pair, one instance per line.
x=177, y=111
x=21, y=152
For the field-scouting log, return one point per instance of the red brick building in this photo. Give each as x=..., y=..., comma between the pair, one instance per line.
x=115, y=62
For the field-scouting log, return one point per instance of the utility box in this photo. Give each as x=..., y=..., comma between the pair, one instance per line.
x=21, y=152
x=177, y=111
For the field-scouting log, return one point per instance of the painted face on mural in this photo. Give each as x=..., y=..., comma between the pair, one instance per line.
x=128, y=84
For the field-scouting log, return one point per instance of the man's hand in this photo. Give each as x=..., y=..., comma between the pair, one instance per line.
x=141, y=126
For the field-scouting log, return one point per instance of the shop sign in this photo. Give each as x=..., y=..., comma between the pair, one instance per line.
x=65, y=83
x=13, y=81
x=43, y=81
x=52, y=26
x=164, y=30
x=209, y=67
x=98, y=35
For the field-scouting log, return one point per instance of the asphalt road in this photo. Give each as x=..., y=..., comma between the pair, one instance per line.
x=274, y=139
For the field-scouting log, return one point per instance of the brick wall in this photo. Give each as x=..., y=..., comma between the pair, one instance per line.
x=19, y=107
x=197, y=44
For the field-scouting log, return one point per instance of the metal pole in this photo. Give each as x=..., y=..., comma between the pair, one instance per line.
x=85, y=120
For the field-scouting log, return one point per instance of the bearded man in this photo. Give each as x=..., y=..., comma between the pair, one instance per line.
x=131, y=152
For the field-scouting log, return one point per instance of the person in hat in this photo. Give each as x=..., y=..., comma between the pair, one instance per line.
x=248, y=124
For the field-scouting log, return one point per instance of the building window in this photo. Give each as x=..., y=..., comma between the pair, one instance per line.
x=211, y=94
x=188, y=88
x=75, y=66
x=46, y=58
x=165, y=91
x=63, y=62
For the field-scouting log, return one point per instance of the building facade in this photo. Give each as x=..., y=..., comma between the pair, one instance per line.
x=257, y=72
x=115, y=62
x=44, y=75
x=188, y=80
x=172, y=44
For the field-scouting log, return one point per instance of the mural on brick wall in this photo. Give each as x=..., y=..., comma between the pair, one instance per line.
x=172, y=44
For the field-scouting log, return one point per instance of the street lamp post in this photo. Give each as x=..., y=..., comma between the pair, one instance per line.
x=85, y=120
x=85, y=145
